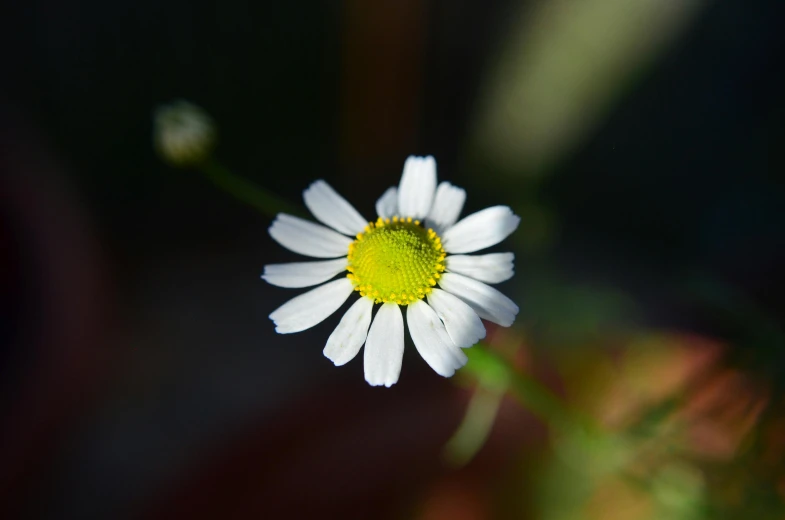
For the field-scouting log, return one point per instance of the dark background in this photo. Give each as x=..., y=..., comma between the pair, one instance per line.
x=135, y=343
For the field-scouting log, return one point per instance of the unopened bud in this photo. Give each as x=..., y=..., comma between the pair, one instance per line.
x=183, y=133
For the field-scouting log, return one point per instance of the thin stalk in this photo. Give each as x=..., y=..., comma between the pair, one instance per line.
x=252, y=194
x=492, y=370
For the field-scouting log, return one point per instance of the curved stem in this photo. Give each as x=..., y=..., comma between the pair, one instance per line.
x=475, y=427
x=493, y=371
x=246, y=191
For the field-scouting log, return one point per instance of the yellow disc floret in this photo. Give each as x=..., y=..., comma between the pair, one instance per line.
x=395, y=260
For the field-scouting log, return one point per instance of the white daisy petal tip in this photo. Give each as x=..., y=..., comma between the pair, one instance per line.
x=332, y=209
x=308, y=238
x=447, y=205
x=432, y=340
x=302, y=274
x=311, y=308
x=384, y=347
x=490, y=268
x=489, y=303
x=463, y=325
x=350, y=334
x=387, y=205
x=480, y=230
x=417, y=187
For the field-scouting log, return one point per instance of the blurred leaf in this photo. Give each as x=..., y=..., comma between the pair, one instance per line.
x=471, y=435
x=564, y=65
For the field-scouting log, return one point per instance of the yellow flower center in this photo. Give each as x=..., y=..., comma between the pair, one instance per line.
x=395, y=260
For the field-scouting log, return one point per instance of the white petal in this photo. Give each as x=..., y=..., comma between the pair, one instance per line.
x=491, y=268
x=387, y=205
x=347, y=338
x=463, y=325
x=303, y=274
x=480, y=230
x=432, y=341
x=306, y=310
x=486, y=301
x=307, y=238
x=384, y=347
x=418, y=183
x=330, y=208
x=447, y=205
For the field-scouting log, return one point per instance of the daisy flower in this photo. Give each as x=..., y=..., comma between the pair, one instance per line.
x=411, y=256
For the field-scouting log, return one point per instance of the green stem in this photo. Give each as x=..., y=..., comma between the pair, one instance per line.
x=492, y=370
x=246, y=191
x=476, y=426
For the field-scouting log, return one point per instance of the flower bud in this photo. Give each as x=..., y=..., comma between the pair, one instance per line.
x=183, y=133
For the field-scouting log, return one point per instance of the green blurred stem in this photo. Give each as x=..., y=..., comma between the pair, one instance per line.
x=246, y=191
x=476, y=426
x=493, y=371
